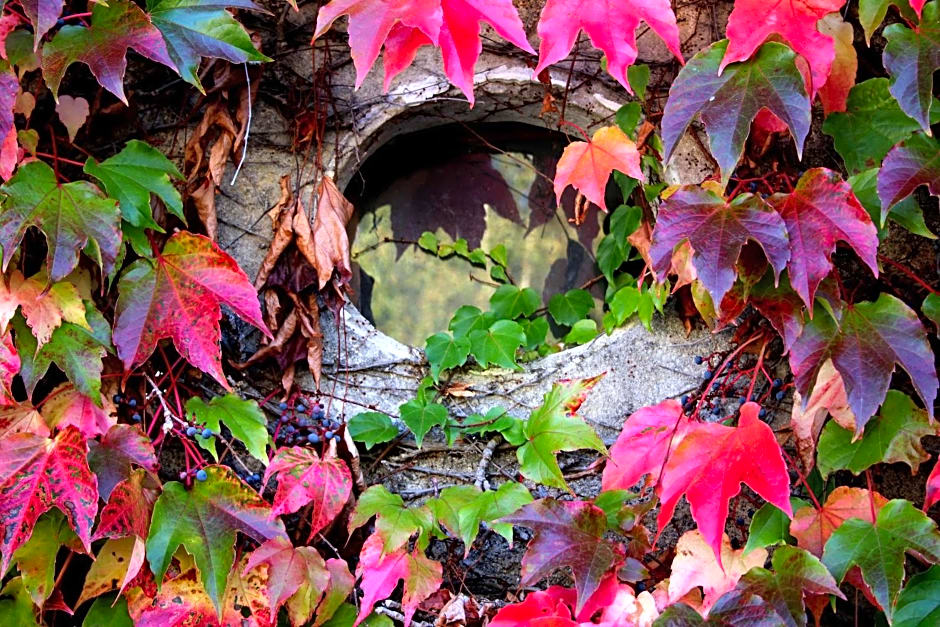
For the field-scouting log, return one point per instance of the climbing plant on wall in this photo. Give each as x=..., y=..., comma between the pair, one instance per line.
x=113, y=290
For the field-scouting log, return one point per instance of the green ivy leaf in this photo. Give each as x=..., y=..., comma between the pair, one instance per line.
x=893, y=436
x=535, y=332
x=499, y=255
x=582, y=332
x=194, y=29
x=468, y=319
x=73, y=217
x=108, y=610
x=870, y=126
x=243, y=418
x=16, y=606
x=639, y=77
x=132, y=175
x=770, y=525
x=570, y=307
x=421, y=416
x=372, y=428
x=931, y=309
x=36, y=559
x=871, y=13
x=610, y=256
x=444, y=352
x=624, y=303
x=394, y=523
x=919, y=602
x=551, y=429
x=204, y=520
x=498, y=344
x=74, y=349
x=509, y=302
x=878, y=549
x=488, y=507
x=628, y=116
x=428, y=241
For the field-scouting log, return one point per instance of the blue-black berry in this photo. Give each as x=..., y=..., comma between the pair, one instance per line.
x=707, y=374
x=284, y=418
x=135, y=417
x=313, y=438
x=132, y=402
x=779, y=395
x=201, y=475
x=762, y=413
x=207, y=433
x=191, y=431
x=328, y=435
x=697, y=359
x=300, y=408
x=777, y=383
x=685, y=399
x=741, y=401
x=282, y=405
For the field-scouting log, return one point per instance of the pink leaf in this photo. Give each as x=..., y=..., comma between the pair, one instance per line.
x=587, y=165
x=9, y=368
x=611, y=26
x=933, y=487
x=129, y=507
x=289, y=568
x=67, y=406
x=112, y=459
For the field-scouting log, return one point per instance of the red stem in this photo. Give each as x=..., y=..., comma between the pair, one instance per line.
x=908, y=273
x=757, y=369
x=799, y=473
x=580, y=130
x=718, y=370
x=57, y=159
x=871, y=494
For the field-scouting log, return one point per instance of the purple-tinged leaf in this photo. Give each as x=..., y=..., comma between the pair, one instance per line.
x=112, y=459
x=870, y=338
x=909, y=165
x=911, y=57
x=43, y=14
x=717, y=230
x=727, y=101
x=819, y=212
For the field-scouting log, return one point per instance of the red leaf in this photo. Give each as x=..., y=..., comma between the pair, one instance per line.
x=459, y=39
x=551, y=608
x=640, y=449
x=752, y=21
x=289, y=568
x=304, y=478
x=869, y=339
x=717, y=230
x=9, y=368
x=115, y=27
x=587, y=165
x=178, y=296
x=40, y=473
x=129, y=509
x=380, y=574
x=933, y=487
x=22, y=418
x=66, y=406
x=909, y=165
x=710, y=464
x=566, y=533
x=611, y=27
x=819, y=212
x=812, y=527
x=112, y=458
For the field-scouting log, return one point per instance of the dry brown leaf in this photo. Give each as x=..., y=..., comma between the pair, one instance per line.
x=203, y=198
x=329, y=234
x=281, y=214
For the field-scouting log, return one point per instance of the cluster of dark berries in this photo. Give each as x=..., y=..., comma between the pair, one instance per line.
x=128, y=404
x=299, y=424
x=729, y=387
x=251, y=478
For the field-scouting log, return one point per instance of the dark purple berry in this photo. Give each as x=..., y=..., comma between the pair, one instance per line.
x=201, y=475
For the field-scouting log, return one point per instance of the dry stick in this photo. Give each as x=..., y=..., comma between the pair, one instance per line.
x=908, y=273
x=480, y=479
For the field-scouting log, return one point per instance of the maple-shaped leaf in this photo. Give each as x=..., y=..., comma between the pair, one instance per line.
x=717, y=231
x=647, y=436
x=587, y=165
x=611, y=27
x=102, y=46
x=395, y=524
x=177, y=295
x=752, y=21
x=812, y=527
x=129, y=507
x=496, y=345
x=204, y=520
x=835, y=92
x=132, y=175
x=39, y=473
x=461, y=509
x=819, y=212
x=710, y=464
x=305, y=479
x=380, y=573
x=695, y=565
x=727, y=101
x=71, y=216
x=44, y=306
x=553, y=427
x=66, y=406
x=243, y=418
x=909, y=165
x=371, y=21
x=289, y=568
x=459, y=39
x=911, y=57
x=865, y=344
x=117, y=563
x=566, y=533
x=797, y=574
x=878, y=549
x=193, y=29
x=20, y=418
x=77, y=350
x=113, y=458
x=891, y=437
x=36, y=559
